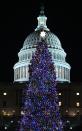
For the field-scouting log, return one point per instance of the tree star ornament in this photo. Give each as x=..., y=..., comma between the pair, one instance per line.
x=43, y=34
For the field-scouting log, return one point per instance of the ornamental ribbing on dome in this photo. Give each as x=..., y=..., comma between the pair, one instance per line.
x=54, y=45
x=51, y=39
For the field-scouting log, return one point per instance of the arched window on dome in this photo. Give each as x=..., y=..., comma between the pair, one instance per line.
x=59, y=71
x=25, y=56
x=21, y=72
x=33, y=53
x=69, y=74
x=54, y=55
x=58, y=57
x=27, y=73
x=56, y=71
x=29, y=55
x=24, y=71
x=62, y=72
x=17, y=75
x=66, y=73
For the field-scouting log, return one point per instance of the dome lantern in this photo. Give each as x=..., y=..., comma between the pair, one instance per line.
x=42, y=21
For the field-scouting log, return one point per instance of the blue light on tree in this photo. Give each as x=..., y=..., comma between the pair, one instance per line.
x=41, y=105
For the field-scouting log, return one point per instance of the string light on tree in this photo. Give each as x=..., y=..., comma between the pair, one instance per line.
x=40, y=101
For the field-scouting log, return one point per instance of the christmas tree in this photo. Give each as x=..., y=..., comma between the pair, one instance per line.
x=41, y=105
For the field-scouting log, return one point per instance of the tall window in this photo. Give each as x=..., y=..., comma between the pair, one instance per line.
x=60, y=103
x=62, y=73
x=57, y=71
x=29, y=55
x=54, y=55
x=21, y=72
x=17, y=74
x=77, y=104
x=24, y=71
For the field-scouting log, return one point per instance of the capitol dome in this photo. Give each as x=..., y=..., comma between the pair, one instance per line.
x=51, y=39
x=54, y=45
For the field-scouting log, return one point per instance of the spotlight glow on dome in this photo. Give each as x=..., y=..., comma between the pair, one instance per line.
x=42, y=34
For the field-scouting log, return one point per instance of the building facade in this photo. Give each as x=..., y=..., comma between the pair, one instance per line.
x=70, y=99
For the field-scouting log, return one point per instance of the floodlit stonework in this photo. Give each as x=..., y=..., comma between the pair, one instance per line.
x=54, y=45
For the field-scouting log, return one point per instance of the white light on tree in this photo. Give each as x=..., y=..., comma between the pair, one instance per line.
x=11, y=121
x=59, y=94
x=77, y=104
x=22, y=113
x=77, y=93
x=5, y=128
x=60, y=103
x=4, y=93
x=42, y=34
x=66, y=110
x=71, y=128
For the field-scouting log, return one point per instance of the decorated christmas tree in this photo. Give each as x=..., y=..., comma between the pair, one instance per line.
x=40, y=111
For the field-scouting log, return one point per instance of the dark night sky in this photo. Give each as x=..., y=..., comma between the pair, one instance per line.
x=17, y=20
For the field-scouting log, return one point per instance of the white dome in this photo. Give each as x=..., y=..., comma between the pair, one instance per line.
x=54, y=45
x=51, y=39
